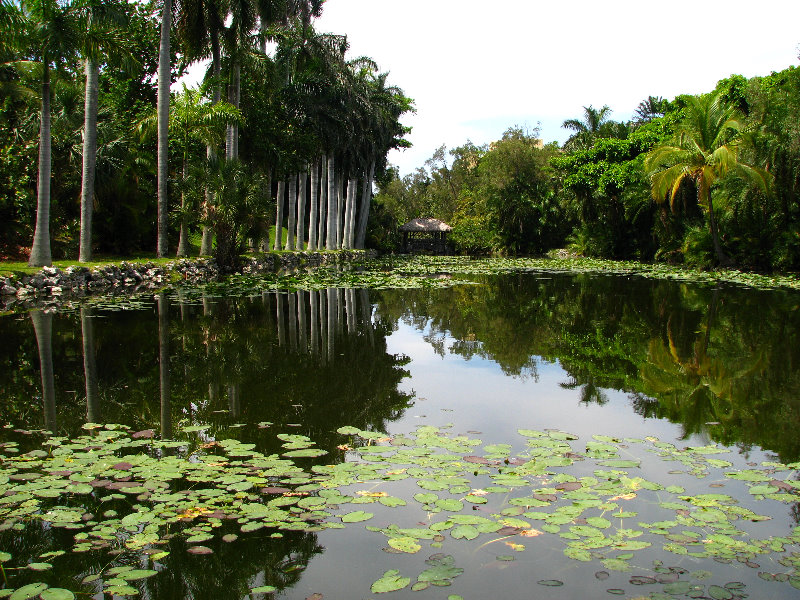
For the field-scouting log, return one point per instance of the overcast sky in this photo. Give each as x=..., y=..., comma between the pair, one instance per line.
x=476, y=68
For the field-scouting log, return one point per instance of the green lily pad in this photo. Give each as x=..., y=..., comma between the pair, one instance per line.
x=390, y=582
x=137, y=574
x=356, y=516
x=468, y=532
x=28, y=591
x=121, y=590
x=408, y=545
x=449, y=504
x=56, y=594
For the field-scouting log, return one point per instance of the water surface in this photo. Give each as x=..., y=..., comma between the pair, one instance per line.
x=619, y=356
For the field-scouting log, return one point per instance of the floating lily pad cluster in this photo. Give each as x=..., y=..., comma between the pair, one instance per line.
x=117, y=490
x=461, y=265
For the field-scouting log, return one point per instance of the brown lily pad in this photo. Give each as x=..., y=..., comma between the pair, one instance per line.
x=569, y=486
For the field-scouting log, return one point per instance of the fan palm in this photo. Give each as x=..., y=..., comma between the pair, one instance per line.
x=705, y=149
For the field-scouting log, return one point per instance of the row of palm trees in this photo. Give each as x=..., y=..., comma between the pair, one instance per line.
x=333, y=120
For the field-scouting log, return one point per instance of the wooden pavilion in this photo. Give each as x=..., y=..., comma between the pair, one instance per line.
x=426, y=235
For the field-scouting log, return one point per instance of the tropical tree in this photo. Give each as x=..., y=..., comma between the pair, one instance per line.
x=705, y=149
x=595, y=123
x=162, y=107
x=237, y=209
x=49, y=34
x=193, y=119
x=101, y=36
x=650, y=108
x=200, y=25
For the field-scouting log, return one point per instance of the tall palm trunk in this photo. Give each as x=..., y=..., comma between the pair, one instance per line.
x=211, y=153
x=313, y=217
x=291, y=314
x=314, y=307
x=339, y=210
x=348, y=202
x=90, y=366
x=264, y=244
x=280, y=315
x=323, y=322
x=352, y=200
x=301, y=210
x=332, y=225
x=234, y=95
x=279, y=214
x=723, y=259
x=40, y=250
x=302, y=321
x=323, y=202
x=366, y=308
x=163, y=128
x=331, y=328
x=291, y=213
x=43, y=328
x=163, y=366
x=89, y=157
x=366, y=200
x=183, y=237
x=234, y=401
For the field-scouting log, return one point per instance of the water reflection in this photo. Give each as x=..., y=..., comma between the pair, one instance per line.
x=723, y=362
x=311, y=359
x=720, y=362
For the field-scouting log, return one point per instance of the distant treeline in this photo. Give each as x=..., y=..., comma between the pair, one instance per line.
x=702, y=180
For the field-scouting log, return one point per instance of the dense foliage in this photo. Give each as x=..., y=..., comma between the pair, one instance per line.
x=277, y=98
x=605, y=193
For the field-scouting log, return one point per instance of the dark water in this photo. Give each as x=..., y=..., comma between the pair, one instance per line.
x=618, y=356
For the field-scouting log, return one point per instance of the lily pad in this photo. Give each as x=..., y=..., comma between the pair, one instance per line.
x=28, y=591
x=356, y=516
x=56, y=594
x=390, y=582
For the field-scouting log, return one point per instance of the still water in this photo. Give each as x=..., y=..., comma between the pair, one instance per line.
x=617, y=356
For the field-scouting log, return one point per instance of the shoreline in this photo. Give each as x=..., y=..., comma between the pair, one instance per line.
x=52, y=285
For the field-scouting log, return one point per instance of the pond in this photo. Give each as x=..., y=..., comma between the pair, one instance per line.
x=521, y=435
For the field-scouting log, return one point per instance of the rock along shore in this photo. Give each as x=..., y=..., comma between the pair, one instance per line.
x=52, y=284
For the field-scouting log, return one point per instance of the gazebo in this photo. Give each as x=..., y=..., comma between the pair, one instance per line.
x=426, y=235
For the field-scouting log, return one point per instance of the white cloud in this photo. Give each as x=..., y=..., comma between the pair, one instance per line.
x=476, y=68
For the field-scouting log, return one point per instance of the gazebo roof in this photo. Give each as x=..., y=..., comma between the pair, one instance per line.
x=426, y=224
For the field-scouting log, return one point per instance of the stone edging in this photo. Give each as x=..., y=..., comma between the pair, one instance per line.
x=51, y=283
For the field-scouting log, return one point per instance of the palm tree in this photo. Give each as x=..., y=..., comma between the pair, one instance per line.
x=164, y=80
x=163, y=365
x=704, y=150
x=50, y=32
x=200, y=24
x=43, y=328
x=193, y=119
x=238, y=38
x=651, y=108
x=587, y=129
x=90, y=366
x=101, y=36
